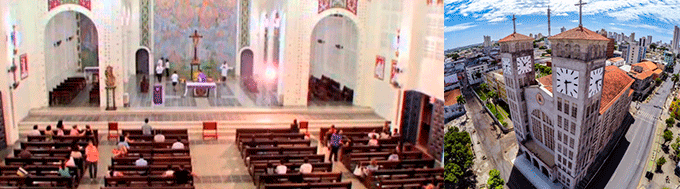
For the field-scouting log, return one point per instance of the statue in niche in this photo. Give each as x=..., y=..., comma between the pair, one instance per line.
x=110, y=79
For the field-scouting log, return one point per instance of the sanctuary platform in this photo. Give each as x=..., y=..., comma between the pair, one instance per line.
x=228, y=120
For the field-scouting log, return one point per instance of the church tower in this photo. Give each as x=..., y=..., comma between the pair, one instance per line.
x=517, y=57
x=578, y=69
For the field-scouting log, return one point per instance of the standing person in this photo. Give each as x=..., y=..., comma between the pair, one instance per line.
x=225, y=69
x=167, y=67
x=201, y=76
x=160, y=61
x=335, y=144
x=159, y=72
x=91, y=159
x=146, y=128
x=175, y=80
x=182, y=176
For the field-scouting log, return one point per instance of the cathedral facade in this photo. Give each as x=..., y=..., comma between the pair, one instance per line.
x=568, y=122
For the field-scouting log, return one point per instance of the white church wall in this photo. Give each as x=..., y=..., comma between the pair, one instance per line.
x=330, y=61
x=64, y=62
x=5, y=61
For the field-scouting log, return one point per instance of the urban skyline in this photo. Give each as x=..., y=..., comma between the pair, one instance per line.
x=468, y=21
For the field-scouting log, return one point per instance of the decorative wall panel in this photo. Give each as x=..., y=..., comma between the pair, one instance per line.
x=144, y=22
x=51, y=4
x=245, y=23
x=350, y=5
x=89, y=42
x=176, y=20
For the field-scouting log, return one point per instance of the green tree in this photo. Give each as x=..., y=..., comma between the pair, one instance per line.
x=667, y=136
x=455, y=56
x=457, y=155
x=658, y=81
x=493, y=95
x=670, y=122
x=675, y=78
x=542, y=47
x=495, y=181
x=652, y=46
x=549, y=51
x=460, y=99
x=484, y=87
x=661, y=161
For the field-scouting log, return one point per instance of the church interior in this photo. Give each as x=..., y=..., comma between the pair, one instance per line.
x=190, y=94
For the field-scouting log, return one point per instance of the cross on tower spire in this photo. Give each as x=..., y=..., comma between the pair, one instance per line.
x=580, y=11
x=514, y=29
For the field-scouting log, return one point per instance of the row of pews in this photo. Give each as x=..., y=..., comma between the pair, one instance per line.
x=327, y=89
x=158, y=155
x=65, y=92
x=43, y=165
x=261, y=148
x=94, y=93
x=414, y=169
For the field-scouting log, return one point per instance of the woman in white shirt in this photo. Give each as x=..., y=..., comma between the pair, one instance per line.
x=159, y=72
x=175, y=80
x=281, y=169
x=225, y=69
x=178, y=144
x=306, y=167
x=373, y=141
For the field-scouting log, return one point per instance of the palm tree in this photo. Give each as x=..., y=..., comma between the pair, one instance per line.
x=675, y=78
x=460, y=99
x=493, y=95
x=484, y=87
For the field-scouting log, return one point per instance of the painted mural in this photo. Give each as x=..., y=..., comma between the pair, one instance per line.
x=89, y=43
x=176, y=20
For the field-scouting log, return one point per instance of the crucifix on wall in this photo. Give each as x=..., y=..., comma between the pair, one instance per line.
x=195, y=62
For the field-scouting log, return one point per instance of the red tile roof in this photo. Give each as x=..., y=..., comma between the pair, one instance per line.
x=547, y=82
x=515, y=37
x=579, y=33
x=648, y=69
x=451, y=96
x=615, y=83
x=616, y=59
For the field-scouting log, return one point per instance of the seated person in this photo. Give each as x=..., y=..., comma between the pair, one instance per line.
x=35, y=131
x=178, y=144
x=121, y=151
x=88, y=131
x=70, y=162
x=140, y=163
x=49, y=133
x=373, y=141
x=270, y=169
x=306, y=167
x=396, y=133
x=25, y=154
x=74, y=131
x=60, y=130
x=394, y=156
x=281, y=169
x=114, y=173
x=182, y=176
x=159, y=138
x=373, y=133
x=384, y=135
x=371, y=167
x=63, y=170
x=169, y=173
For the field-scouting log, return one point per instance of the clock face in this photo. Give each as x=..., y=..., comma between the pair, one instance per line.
x=566, y=82
x=507, y=67
x=523, y=64
x=595, y=81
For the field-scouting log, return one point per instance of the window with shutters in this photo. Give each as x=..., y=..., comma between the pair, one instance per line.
x=566, y=107
x=559, y=104
x=559, y=121
x=573, y=110
x=573, y=128
x=571, y=143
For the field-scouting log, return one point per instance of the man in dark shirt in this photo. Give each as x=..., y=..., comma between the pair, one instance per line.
x=182, y=176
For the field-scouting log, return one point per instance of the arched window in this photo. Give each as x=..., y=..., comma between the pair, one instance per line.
x=576, y=52
x=556, y=50
x=516, y=47
x=590, y=54
x=567, y=51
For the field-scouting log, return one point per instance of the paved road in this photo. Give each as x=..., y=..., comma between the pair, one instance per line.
x=640, y=136
x=493, y=147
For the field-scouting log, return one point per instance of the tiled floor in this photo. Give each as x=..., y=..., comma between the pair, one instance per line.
x=217, y=163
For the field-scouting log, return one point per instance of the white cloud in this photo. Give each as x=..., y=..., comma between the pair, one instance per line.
x=574, y=21
x=459, y=27
x=622, y=10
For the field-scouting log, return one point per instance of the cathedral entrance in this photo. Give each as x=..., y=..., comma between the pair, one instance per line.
x=72, y=60
x=333, y=62
x=142, y=61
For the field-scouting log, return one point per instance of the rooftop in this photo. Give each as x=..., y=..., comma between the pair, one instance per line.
x=615, y=82
x=451, y=96
x=615, y=59
x=515, y=37
x=648, y=69
x=579, y=33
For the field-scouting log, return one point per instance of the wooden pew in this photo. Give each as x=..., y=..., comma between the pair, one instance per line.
x=151, y=144
x=248, y=151
x=261, y=168
x=37, y=170
x=276, y=142
x=324, y=130
x=373, y=178
x=28, y=145
x=183, y=160
x=404, y=164
x=169, y=137
x=39, y=181
x=140, y=181
x=162, y=131
x=147, y=187
x=319, y=185
x=283, y=158
x=151, y=169
x=157, y=152
x=62, y=152
x=314, y=177
x=252, y=131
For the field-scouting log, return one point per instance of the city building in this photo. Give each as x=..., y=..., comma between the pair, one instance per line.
x=644, y=74
x=644, y=42
x=564, y=122
x=475, y=70
x=669, y=58
x=676, y=38
x=610, y=47
x=453, y=109
x=494, y=80
x=633, y=52
x=631, y=38
x=616, y=61
x=451, y=82
x=487, y=41
x=649, y=39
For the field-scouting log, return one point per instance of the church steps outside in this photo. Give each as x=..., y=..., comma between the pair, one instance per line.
x=228, y=119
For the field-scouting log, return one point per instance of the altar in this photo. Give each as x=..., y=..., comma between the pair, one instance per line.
x=199, y=85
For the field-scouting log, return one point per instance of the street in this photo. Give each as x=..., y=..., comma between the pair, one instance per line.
x=499, y=151
x=638, y=141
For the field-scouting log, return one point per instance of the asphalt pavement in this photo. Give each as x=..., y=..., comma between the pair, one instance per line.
x=640, y=139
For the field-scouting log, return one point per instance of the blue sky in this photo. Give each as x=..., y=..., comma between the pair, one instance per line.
x=467, y=21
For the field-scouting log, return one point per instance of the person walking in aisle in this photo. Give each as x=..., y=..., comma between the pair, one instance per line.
x=91, y=159
x=167, y=67
x=159, y=72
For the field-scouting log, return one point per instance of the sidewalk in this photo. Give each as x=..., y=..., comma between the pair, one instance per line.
x=656, y=151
